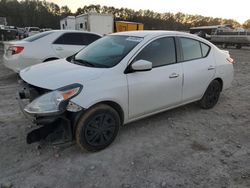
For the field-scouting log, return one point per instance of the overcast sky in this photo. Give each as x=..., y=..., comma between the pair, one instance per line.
x=235, y=9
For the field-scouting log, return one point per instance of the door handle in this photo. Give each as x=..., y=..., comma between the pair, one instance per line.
x=211, y=67
x=174, y=75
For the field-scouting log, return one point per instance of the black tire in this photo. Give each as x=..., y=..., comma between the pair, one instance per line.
x=211, y=96
x=97, y=128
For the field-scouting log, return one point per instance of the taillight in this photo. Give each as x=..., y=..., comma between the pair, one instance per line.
x=15, y=49
x=230, y=60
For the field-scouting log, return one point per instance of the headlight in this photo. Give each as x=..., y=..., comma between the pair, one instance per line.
x=53, y=102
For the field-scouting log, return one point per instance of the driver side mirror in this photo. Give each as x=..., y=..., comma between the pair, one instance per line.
x=141, y=65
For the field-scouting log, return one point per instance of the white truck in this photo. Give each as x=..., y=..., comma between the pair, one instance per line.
x=68, y=23
x=93, y=22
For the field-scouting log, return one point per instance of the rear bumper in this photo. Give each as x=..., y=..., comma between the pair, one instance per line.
x=11, y=64
x=18, y=62
x=227, y=76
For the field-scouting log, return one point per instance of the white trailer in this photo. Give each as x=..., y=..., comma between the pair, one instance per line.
x=95, y=22
x=68, y=23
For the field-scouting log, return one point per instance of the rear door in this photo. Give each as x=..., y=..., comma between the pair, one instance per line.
x=198, y=68
x=70, y=43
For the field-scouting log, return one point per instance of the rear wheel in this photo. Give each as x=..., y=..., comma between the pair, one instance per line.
x=97, y=128
x=211, y=96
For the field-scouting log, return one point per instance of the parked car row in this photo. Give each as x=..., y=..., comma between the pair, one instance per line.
x=114, y=80
x=11, y=32
x=29, y=31
x=45, y=46
x=8, y=33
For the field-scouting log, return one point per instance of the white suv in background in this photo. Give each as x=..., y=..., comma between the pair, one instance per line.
x=45, y=46
x=121, y=78
x=29, y=31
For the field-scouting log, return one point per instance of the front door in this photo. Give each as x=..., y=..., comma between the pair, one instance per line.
x=159, y=88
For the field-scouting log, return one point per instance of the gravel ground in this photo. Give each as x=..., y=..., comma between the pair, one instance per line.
x=185, y=147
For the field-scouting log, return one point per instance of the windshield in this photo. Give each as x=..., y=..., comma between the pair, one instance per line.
x=107, y=51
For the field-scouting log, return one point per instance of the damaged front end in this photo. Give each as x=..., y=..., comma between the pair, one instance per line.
x=51, y=111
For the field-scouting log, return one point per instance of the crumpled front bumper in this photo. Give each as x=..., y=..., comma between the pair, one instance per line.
x=56, y=129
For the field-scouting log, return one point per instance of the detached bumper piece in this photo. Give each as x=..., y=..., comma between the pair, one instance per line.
x=56, y=130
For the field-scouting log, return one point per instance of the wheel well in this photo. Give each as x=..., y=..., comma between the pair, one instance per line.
x=50, y=59
x=75, y=116
x=117, y=107
x=221, y=82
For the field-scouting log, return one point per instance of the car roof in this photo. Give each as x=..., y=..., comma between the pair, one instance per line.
x=155, y=33
x=74, y=31
x=145, y=33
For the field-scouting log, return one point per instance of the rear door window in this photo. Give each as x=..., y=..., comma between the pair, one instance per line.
x=191, y=49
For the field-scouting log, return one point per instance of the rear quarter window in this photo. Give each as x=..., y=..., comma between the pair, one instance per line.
x=205, y=49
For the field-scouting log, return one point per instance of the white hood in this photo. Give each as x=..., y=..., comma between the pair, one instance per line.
x=58, y=73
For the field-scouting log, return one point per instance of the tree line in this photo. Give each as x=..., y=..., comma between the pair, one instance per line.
x=46, y=14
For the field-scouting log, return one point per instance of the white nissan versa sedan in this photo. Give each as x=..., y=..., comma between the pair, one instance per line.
x=118, y=79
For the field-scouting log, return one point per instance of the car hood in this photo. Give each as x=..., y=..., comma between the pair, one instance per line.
x=59, y=73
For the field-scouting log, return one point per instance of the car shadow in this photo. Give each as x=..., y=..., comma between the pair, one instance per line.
x=166, y=115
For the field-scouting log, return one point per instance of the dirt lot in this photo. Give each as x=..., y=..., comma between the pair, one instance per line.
x=185, y=147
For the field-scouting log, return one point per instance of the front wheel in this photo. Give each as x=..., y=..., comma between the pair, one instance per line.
x=97, y=128
x=211, y=96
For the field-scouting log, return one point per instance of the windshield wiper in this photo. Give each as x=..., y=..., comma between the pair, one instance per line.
x=82, y=62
